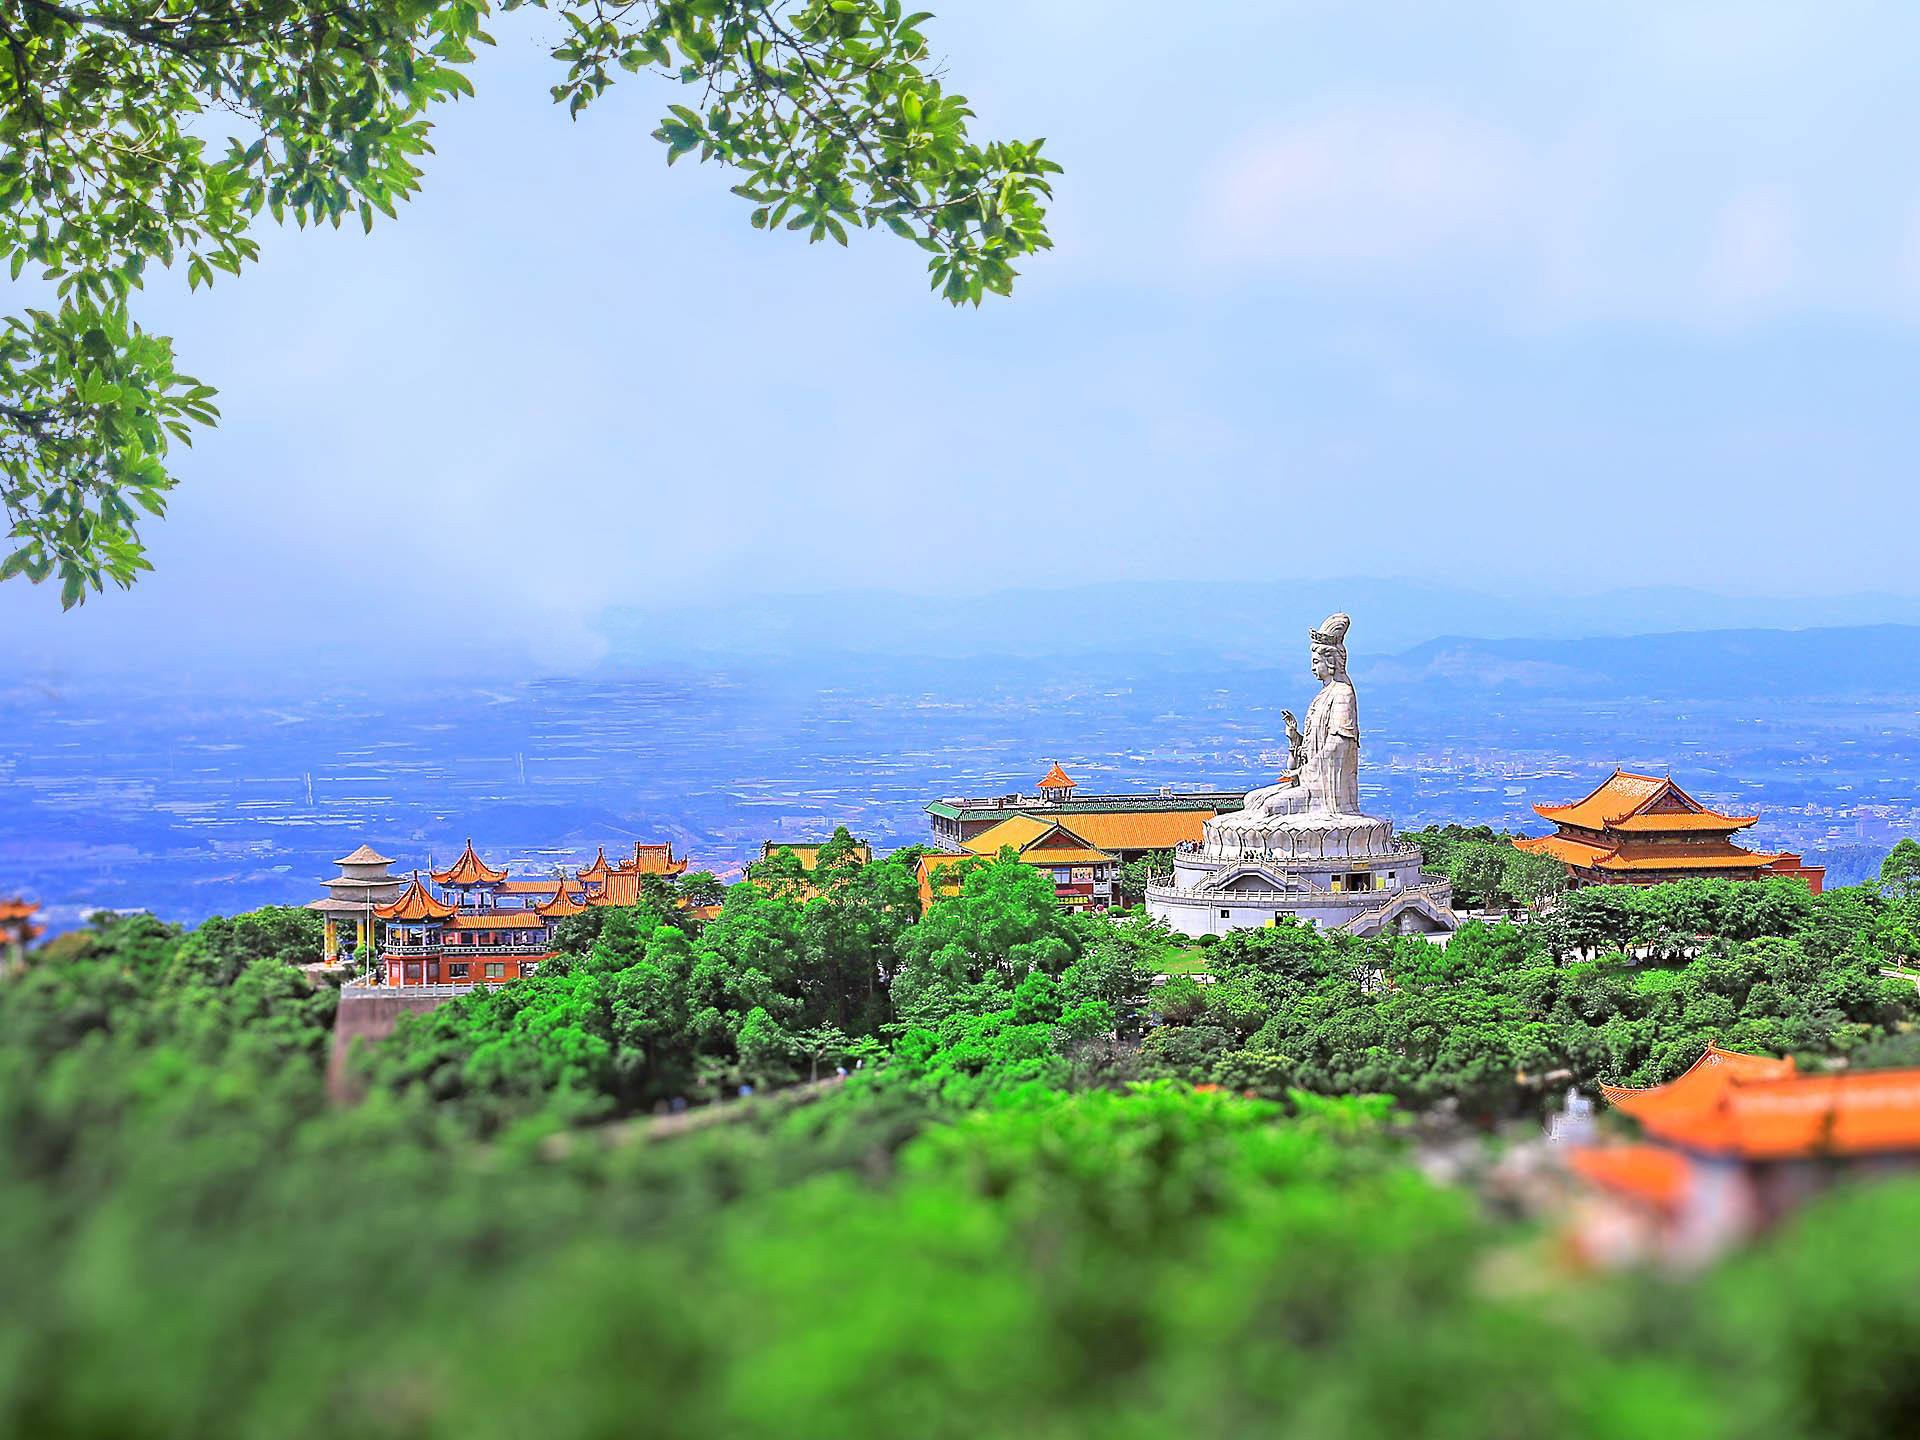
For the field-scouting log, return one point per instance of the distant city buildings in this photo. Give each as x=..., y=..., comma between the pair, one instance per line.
x=1645, y=830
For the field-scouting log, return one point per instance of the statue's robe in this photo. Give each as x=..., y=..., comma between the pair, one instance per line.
x=1332, y=771
x=1328, y=781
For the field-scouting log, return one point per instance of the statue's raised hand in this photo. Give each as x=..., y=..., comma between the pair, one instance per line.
x=1296, y=743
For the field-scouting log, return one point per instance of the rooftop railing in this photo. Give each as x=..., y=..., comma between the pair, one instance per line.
x=460, y=952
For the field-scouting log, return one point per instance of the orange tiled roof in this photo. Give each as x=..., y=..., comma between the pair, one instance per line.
x=1760, y=1109
x=16, y=909
x=1626, y=797
x=562, y=903
x=1701, y=1083
x=496, y=920
x=652, y=860
x=1140, y=829
x=414, y=904
x=1056, y=779
x=469, y=869
x=1650, y=1174
x=599, y=869
x=622, y=887
x=1626, y=858
x=1671, y=821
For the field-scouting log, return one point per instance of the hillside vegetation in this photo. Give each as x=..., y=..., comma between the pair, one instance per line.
x=1018, y=1215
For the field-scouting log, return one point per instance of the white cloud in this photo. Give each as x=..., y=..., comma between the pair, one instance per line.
x=1754, y=253
x=1587, y=220
x=1367, y=186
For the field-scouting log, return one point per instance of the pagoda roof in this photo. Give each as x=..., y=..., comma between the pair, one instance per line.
x=1646, y=803
x=1756, y=1108
x=1056, y=779
x=416, y=903
x=622, y=887
x=1038, y=841
x=495, y=920
x=599, y=869
x=365, y=855
x=1701, y=1083
x=1620, y=857
x=649, y=859
x=469, y=869
x=17, y=909
x=561, y=904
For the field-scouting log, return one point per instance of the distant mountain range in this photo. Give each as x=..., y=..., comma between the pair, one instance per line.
x=1254, y=622
x=1835, y=663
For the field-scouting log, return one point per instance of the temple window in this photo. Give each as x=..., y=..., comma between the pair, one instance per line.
x=458, y=972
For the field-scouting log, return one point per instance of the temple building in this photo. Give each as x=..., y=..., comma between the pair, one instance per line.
x=1126, y=826
x=1083, y=874
x=431, y=941
x=1734, y=1145
x=1644, y=829
x=806, y=854
x=17, y=931
x=366, y=882
x=472, y=923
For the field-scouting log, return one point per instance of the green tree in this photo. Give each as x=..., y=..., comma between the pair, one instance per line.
x=831, y=112
x=1900, y=871
x=767, y=1048
x=1005, y=920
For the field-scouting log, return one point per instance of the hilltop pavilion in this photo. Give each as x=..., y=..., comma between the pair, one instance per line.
x=366, y=882
x=1644, y=829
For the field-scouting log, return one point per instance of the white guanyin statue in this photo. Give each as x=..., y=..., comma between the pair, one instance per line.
x=1314, y=810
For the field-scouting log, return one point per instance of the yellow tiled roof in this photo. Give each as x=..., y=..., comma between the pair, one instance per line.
x=1140, y=829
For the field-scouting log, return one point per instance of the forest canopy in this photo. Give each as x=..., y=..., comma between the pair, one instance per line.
x=1040, y=1203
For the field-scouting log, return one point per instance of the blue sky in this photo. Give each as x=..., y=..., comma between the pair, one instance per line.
x=1509, y=294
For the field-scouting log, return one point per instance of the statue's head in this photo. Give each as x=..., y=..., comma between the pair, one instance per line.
x=1329, y=647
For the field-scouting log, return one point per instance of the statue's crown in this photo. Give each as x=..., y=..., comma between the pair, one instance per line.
x=1332, y=630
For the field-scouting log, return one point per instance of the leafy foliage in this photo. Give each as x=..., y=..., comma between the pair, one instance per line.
x=832, y=110
x=990, y=1233
x=1484, y=868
